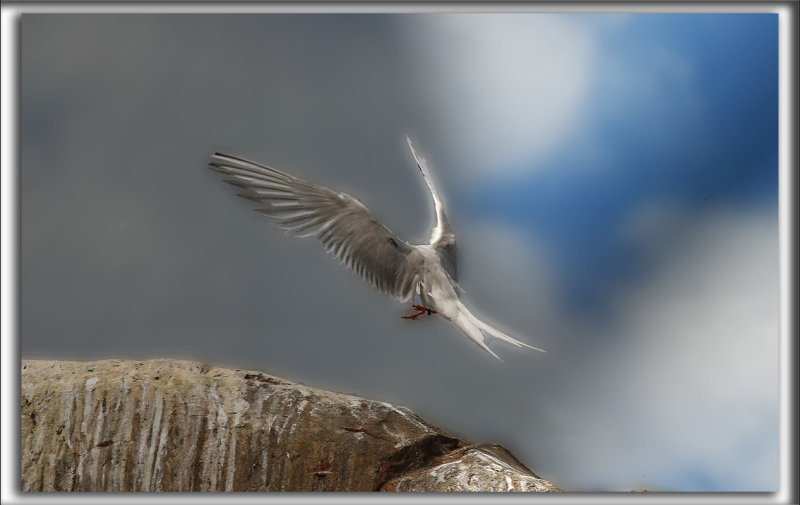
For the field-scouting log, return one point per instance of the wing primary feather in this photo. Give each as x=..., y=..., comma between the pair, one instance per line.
x=343, y=225
x=442, y=237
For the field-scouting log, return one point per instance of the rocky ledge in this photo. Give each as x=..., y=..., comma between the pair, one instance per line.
x=168, y=425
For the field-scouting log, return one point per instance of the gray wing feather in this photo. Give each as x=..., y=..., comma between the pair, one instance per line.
x=342, y=224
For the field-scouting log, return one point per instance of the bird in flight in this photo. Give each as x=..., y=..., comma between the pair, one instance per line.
x=347, y=230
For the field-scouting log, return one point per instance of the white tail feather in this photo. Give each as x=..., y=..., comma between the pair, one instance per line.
x=474, y=329
x=465, y=323
x=502, y=336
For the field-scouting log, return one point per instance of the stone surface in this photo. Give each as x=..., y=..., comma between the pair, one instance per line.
x=169, y=425
x=483, y=468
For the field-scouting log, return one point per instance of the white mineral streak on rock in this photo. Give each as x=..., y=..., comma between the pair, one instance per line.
x=122, y=411
x=216, y=438
x=149, y=467
x=241, y=406
x=400, y=438
x=298, y=415
x=91, y=383
x=87, y=406
x=162, y=441
x=141, y=450
x=39, y=445
x=287, y=416
x=354, y=403
x=222, y=417
x=473, y=470
x=406, y=414
x=84, y=426
x=98, y=433
x=265, y=453
x=69, y=400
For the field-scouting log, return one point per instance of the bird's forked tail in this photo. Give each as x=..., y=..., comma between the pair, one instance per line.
x=474, y=328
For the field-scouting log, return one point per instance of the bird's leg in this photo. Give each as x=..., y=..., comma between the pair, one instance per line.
x=421, y=309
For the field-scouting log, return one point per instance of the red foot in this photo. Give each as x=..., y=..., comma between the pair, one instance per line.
x=421, y=309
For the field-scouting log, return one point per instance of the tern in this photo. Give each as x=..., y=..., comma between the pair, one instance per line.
x=348, y=231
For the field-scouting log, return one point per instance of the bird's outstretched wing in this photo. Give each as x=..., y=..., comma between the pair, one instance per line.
x=342, y=224
x=442, y=237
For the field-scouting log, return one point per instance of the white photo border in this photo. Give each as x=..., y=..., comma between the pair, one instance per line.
x=788, y=167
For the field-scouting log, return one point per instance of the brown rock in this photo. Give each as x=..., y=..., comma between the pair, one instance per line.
x=168, y=425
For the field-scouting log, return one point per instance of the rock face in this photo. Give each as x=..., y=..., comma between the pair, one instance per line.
x=167, y=425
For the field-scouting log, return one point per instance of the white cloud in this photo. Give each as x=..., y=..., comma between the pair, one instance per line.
x=512, y=90
x=511, y=86
x=698, y=374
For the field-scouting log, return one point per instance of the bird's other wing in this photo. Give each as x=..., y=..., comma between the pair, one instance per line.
x=442, y=237
x=342, y=224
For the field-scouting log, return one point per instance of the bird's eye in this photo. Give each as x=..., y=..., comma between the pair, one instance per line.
x=391, y=241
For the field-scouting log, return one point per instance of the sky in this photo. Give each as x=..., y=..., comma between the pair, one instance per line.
x=612, y=181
